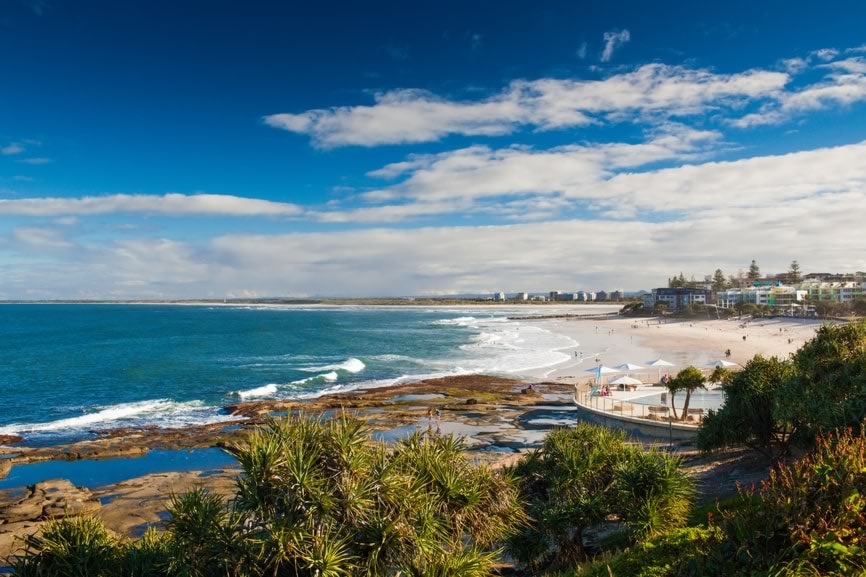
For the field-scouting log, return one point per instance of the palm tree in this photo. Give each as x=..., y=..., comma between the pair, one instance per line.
x=689, y=380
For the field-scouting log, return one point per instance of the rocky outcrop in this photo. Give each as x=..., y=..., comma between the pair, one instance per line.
x=5, y=466
x=49, y=500
x=24, y=515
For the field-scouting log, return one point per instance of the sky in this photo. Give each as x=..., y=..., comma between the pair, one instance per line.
x=247, y=149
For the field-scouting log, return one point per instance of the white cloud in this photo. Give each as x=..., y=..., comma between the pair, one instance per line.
x=569, y=254
x=613, y=40
x=610, y=179
x=35, y=161
x=11, y=148
x=169, y=204
x=651, y=93
x=825, y=54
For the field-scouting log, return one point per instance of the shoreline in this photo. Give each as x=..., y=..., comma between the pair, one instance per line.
x=499, y=417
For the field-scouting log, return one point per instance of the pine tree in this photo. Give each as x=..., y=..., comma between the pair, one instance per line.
x=794, y=273
x=719, y=281
x=754, y=271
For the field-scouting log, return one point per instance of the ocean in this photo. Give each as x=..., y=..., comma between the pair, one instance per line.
x=68, y=371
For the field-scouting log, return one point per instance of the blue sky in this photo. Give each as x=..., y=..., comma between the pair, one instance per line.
x=163, y=149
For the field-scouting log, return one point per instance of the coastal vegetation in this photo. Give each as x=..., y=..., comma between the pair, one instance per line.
x=774, y=404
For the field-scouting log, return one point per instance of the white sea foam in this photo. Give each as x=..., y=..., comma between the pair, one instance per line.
x=161, y=412
x=351, y=365
x=507, y=346
x=263, y=391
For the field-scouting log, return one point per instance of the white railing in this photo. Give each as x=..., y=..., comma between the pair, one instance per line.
x=623, y=407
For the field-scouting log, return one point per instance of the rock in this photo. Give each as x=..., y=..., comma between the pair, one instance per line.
x=63, y=499
x=5, y=467
x=471, y=401
x=27, y=509
x=10, y=439
x=12, y=534
x=50, y=500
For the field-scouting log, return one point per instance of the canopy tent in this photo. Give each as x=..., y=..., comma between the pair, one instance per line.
x=723, y=363
x=626, y=380
x=600, y=371
x=659, y=363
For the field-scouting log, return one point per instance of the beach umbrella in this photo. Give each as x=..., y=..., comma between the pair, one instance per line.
x=627, y=368
x=659, y=363
x=626, y=380
x=600, y=371
x=723, y=363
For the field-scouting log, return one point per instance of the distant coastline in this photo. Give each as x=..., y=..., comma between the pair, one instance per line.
x=377, y=301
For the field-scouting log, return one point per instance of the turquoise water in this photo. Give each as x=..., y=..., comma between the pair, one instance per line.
x=712, y=399
x=89, y=473
x=66, y=370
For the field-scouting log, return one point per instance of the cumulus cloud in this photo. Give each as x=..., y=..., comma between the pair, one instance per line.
x=610, y=179
x=169, y=204
x=650, y=93
x=613, y=40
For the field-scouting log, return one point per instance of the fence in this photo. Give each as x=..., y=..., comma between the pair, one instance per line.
x=622, y=407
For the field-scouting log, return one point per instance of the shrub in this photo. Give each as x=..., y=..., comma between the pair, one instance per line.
x=750, y=414
x=72, y=547
x=586, y=475
x=316, y=498
x=651, y=493
x=681, y=552
x=808, y=516
x=828, y=389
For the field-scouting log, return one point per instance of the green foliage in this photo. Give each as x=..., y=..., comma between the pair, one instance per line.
x=585, y=475
x=74, y=547
x=720, y=283
x=650, y=492
x=689, y=380
x=794, y=276
x=828, y=389
x=808, y=517
x=316, y=498
x=750, y=414
x=681, y=552
x=754, y=271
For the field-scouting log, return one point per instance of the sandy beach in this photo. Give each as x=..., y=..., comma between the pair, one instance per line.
x=682, y=342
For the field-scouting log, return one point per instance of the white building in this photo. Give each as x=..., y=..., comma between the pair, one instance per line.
x=774, y=296
x=838, y=292
x=499, y=297
x=521, y=297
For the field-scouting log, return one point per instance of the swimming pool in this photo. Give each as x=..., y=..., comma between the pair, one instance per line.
x=712, y=399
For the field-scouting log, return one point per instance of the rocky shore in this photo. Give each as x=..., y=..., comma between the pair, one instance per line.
x=497, y=417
